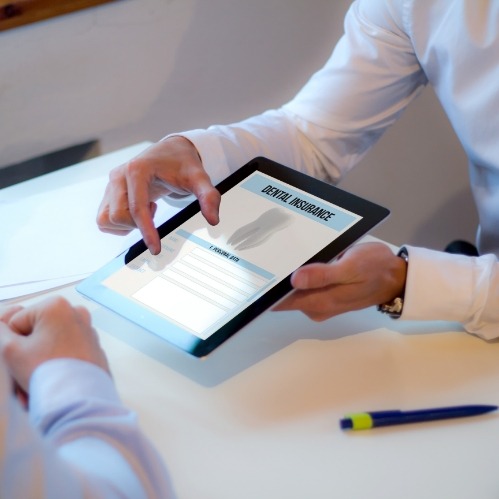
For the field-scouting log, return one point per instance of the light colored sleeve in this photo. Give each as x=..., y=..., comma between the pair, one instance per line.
x=77, y=440
x=456, y=288
x=370, y=78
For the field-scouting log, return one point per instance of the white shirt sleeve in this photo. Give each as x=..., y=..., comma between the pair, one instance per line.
x=339, y=114
x=458, y=288
x=77, y=440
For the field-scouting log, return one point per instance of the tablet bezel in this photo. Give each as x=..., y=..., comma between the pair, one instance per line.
x=372, y=214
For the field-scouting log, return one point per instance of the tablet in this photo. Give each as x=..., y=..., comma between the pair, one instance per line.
x=210, y=281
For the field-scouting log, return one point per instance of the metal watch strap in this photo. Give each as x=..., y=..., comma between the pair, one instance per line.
x=394, y=307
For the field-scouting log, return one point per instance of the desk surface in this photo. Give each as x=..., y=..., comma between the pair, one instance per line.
x=259, y=417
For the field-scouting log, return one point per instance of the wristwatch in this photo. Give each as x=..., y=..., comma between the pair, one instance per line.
x=394, y=307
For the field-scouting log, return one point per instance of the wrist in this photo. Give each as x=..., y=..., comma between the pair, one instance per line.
x=183, y=144
x=395, y=306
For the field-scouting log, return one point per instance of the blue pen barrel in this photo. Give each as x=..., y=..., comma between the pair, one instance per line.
x=374, y=419
x=388, y=418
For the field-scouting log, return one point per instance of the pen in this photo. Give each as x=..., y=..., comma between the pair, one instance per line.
x=367, y=420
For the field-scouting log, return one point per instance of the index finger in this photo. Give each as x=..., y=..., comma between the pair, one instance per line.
x=142, y=210
x=209, y=201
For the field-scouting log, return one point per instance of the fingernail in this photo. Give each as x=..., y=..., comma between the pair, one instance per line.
x=295, y=280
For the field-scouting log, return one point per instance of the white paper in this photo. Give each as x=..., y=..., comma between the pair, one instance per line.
x=29, y=288
x=53, y=235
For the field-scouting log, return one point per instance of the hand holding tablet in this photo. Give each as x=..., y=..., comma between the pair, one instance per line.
x=210, y=281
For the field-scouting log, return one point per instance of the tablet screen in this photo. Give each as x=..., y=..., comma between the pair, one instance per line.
x=204, y=283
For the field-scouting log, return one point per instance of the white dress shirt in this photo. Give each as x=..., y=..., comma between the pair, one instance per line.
x=76, y=441
x=390, y=50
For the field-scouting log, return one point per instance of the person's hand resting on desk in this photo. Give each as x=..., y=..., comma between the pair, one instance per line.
x=77, y=438
x=47, y=331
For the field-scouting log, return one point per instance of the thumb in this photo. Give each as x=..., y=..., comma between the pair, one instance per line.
x=316, y=275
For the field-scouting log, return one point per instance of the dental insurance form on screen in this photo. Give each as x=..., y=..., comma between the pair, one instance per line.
x=205, y=275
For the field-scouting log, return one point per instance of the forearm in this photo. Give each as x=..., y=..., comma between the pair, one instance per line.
x=276, y=134
x=82, y=442
x=338, y=115
x=284, y=137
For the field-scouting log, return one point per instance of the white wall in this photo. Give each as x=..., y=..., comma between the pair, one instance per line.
x=135, y=70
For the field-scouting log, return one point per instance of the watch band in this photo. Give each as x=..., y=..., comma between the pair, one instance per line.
x=394, y=308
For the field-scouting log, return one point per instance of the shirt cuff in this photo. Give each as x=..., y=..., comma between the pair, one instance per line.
x=59, y=384
x=210, y=151
x=448, y=287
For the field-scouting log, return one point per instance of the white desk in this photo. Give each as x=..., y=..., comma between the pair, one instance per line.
x=259, y=417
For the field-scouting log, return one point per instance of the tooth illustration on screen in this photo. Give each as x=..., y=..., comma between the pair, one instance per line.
x=257, y=232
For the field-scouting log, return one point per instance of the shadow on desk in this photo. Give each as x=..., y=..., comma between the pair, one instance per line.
x=266, y=335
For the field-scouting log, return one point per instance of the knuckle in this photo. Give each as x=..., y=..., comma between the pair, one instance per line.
x=318, y=316
x=134, y=209
x=115, y=174
x=102, y=219
x=9, y=349
x=120, y=216
x=319, y=309
x=57, y=304
x=60, y=300
x=134, y=167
